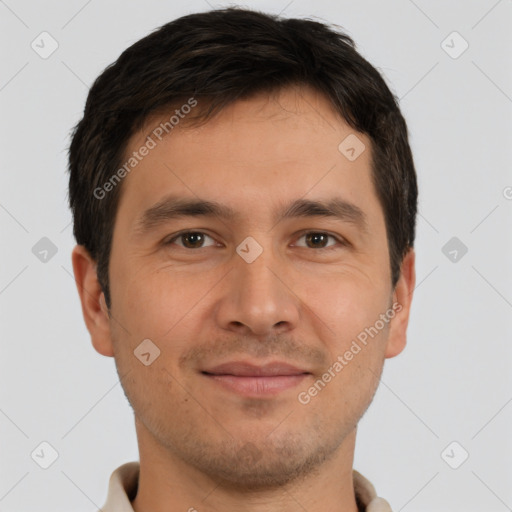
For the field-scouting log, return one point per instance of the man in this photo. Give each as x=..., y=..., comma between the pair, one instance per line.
x=244, y=201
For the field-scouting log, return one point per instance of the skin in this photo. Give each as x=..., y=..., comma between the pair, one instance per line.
x=201, y=446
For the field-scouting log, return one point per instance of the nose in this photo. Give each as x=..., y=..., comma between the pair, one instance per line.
x=257, y=298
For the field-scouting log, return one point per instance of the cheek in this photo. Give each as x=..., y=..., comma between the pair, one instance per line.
x=346, y=303
x=171, y=308
x=152, y=303
x=355, y=342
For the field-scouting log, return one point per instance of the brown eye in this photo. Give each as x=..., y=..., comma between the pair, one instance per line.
x=318, y=240
x=190, y=239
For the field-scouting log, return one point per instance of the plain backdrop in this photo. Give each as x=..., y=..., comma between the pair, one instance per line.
x=452, y=384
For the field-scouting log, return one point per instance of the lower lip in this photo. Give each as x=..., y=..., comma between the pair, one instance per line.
x=258, y=386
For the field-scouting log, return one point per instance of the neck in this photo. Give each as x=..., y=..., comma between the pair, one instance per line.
x=166, y=482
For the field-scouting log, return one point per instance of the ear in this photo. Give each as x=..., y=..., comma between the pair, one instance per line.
x=402, y=298
x=94, y=308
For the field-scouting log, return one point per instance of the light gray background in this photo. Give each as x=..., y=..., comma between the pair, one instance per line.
x=452, y=383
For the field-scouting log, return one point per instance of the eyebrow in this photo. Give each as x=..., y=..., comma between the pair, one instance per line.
x=173, y=207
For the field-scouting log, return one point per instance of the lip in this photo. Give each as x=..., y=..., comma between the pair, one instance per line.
x=245, y=369
x=250, y=380
x=255, y=387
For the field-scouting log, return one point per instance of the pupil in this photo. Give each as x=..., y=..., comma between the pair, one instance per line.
x=193, y=236
x=315, y=237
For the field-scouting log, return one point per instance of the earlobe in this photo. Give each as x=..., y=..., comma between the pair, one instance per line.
x=402, y=298
x=94, y=308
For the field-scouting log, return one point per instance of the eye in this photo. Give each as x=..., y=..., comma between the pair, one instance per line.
x=193, y=239
x=318, y=240
x=313, y=240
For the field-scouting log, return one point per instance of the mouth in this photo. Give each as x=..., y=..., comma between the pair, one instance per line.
x=254, y=381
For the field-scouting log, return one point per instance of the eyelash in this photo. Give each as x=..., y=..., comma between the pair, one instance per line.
x=340, y=241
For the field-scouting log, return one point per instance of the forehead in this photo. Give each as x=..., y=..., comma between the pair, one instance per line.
x=262, y=150
x=273, y=124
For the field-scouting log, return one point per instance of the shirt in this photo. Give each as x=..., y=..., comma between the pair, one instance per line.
x=124, y=481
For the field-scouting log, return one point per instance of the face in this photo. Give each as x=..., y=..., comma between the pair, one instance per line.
x=224, y=297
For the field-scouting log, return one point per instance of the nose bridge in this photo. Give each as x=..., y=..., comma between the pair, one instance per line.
x=257, y=278
x=258, y=287
x=256, y=296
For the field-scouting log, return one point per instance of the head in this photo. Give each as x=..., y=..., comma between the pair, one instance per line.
x=245, y=113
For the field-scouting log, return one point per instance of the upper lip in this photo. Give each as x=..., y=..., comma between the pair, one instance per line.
x=245, y=369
